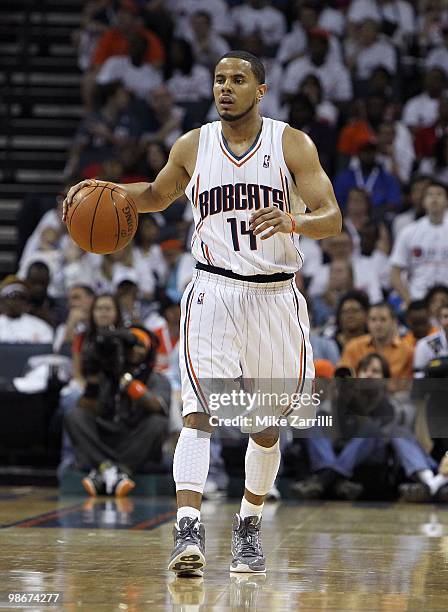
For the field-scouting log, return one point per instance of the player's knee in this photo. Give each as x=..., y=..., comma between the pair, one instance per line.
x=198, y=420
x=267, y=438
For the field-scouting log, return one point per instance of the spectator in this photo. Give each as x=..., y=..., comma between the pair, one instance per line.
x=113, y=265
x=433, y=346
x=294, y=44
x=41, y=305
x=166, y=121
x=421, y=249
x=396, y=149
x=179, y=268
x=339, y=283
x=16, y=325
x=363, y=412
x=97, y=16
x=137, y=76
x=218, y=11
x=437, y=166
x=383, y=339
x=166, y=327
x=417, y=320
x=366, y=173
x=426, y=138
x=302, y=117
x=80, y=301
x=351, y=317
x=375, y=248
x=311, y=87
x=358, y=211
x=208, y=46
x=127, y=294
x=149, y=262
x=49, y=252
x=121, y=421
x=116, y=40
x=187, y=81
x=333, y=75
x=257, y=15
x=438, y=57
x=102, y=132
x=417, y=190
x=423, y=110
x=365, y=277
x=105, y=314
x=395, y=17
x=436, y=297
x=370, y=51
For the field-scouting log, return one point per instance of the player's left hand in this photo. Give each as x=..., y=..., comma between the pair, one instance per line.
x=270, y=221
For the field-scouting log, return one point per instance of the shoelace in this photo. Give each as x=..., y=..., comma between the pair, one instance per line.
x=188, y=532
x=249, y=539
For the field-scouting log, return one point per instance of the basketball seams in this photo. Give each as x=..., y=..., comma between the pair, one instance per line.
x=70, y=219
x=92, y=225
x=118, y=218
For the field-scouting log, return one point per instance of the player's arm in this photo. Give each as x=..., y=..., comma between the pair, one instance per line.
x=315, y=189
x=169, y=184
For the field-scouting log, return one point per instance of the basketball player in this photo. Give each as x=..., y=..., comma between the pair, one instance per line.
x=248, y=179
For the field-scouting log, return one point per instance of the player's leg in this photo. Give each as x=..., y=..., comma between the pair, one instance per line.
x=190, y=470
x=262, y=462
x=207, y=349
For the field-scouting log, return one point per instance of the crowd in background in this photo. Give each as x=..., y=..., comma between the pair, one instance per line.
x=367, y=80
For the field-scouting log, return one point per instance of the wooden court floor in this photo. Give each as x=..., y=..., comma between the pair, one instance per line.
x=102, y=555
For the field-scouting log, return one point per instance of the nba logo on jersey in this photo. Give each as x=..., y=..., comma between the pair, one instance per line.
x=201, y=298
x=266, y=161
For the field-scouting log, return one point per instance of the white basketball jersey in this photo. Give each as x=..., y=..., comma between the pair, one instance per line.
x=224, y=192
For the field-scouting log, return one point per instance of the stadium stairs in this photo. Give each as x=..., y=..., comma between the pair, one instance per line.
x=39, y=105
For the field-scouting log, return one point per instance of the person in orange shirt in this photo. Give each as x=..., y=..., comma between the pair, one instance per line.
x=115, y=41
x=417, y=319
x=383, y=339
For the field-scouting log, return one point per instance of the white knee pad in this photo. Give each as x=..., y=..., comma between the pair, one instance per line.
x=191, y=460
x=261, y=467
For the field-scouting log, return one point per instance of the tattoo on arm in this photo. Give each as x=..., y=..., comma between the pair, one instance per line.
x=173, y=195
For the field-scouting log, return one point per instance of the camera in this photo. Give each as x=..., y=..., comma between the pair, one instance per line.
x=108, y=353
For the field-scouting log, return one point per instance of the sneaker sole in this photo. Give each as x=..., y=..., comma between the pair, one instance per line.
x=124, y=488
x=89, y=487
x=190, y=562
x=243, y=568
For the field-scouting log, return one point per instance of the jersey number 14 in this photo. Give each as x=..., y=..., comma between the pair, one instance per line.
x=244, y=231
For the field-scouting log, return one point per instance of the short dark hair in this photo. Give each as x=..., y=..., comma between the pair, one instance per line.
x=256, y=64
x=84, y=288
x=417, y=305
x=385, y=305
x=432, y=292
x=367, y=360
x=434, y=183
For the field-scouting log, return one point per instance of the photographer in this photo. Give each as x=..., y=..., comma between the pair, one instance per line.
x=121, y=421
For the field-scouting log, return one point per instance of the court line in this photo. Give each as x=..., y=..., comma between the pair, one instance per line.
x=41, y=518
x=155, y=521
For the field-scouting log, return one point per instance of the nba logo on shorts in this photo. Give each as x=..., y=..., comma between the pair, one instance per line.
x=266, y=161
x=201, y=298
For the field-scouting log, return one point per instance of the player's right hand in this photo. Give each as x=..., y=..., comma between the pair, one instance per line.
x=73, y=191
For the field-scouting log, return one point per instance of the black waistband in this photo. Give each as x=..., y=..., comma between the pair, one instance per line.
x=255, y=278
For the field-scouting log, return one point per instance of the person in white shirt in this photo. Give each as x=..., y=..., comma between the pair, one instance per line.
x=396, y=149
x=182, y=10
x=369, y=51
x=137, y=76
x=148, y=259
x=365, y=275
x=187, y=81
x=397, y=17
x=421, y=249
x=16, y=326
x=438, y=57
x=295, y=42
x=433, y=346
x=417, y=188
x=423, y=110
x=256, y=15
x=333, y=75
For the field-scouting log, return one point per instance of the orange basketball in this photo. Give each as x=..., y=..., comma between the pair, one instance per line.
x=102, y=219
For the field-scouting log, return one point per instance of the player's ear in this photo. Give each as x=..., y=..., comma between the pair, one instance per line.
x=261, y=91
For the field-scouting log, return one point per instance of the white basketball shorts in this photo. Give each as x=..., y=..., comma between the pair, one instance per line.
x=252, y=334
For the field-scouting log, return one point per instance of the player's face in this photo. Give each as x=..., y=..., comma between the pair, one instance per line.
x=235, y=88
